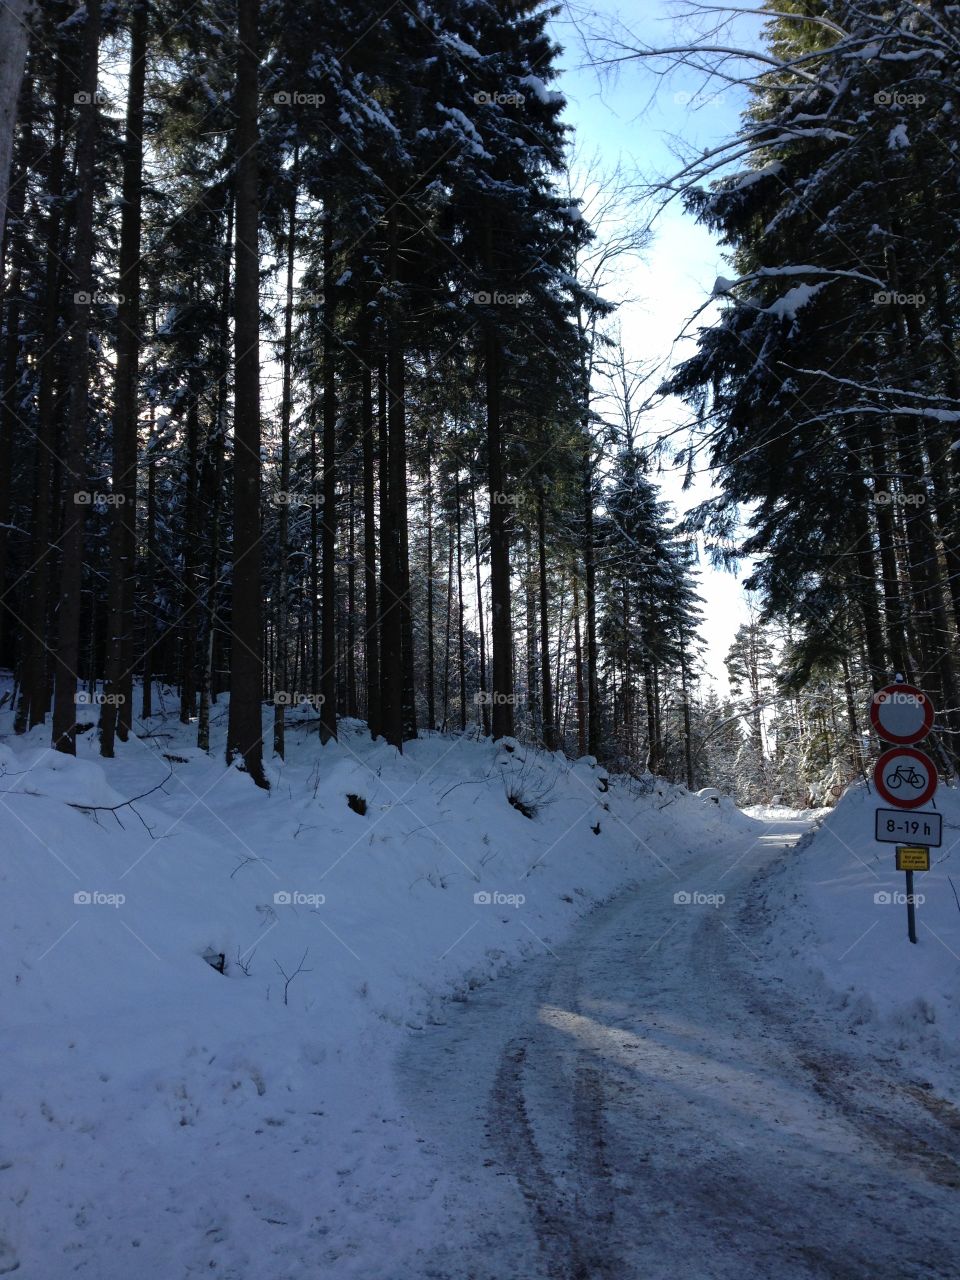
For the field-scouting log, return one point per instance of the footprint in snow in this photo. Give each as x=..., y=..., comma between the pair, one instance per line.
x=8, y=1258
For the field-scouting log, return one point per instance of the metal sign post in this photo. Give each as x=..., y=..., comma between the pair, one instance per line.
x=906, y=779
x=910, y=860
x=910, y=908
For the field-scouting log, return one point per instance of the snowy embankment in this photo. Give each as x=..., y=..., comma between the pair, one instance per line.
x=837, y=922
x=164, y=1118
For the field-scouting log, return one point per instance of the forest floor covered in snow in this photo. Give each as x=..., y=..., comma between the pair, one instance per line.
x=837, y=930
x=165, y=1119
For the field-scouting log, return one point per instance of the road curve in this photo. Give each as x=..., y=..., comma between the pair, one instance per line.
x=643, y=1105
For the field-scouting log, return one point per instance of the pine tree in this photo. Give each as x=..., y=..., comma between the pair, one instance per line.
x=116, y=713
x=75, y=496
x=245, y=730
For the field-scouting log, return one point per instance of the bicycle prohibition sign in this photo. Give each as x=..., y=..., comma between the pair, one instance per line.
x=905, y=778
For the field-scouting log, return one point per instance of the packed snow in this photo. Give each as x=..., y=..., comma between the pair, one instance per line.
x=167, y=1118
x=839, y=927
x=164, y=1118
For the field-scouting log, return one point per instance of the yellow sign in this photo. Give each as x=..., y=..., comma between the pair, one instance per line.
x=910, y=858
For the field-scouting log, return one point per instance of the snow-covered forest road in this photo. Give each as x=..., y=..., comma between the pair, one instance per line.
x=643, y=1104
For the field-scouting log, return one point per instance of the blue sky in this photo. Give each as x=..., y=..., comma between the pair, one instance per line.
x=632, y=117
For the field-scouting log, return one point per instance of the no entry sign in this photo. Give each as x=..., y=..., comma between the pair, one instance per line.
x=905, y=777
x=901, y=714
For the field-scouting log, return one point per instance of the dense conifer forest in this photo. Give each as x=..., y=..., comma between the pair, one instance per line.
x=314, y=388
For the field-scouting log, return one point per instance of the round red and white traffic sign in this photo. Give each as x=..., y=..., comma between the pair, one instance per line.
x=905, y=777
x=901, y=714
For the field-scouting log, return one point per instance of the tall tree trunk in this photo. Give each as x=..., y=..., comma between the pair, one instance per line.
x=628, y=733
x=461, y=641
x=214, y=466
x=590, y=583
x=392, y=628
x=531, y=647
x=864, y=588
x=15, y=18
x=549, y=714
x=685, y=694
x=483, y=696
x=13, y=253
x=350, y=640
x=371, y=620
x=8, y=421
x=408, y=668
x=929, y=444
x=431, y=657
x=448, y=625
x=328, y=590
x=391, y=712
x=123, y=543
x=563, y=636
x=853, y=726
x=578, y=664
x=653, y=760
x=32, y=708
x=501, y=628
x=245, y=727
x=283, y=534
x=150, y=639
x=894, y=609
x=78, y=357
x=926, y=581
x=189, y=595
x=213, y=487
x=315, y=497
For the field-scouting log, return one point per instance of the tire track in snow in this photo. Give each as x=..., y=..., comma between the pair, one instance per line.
x=658, y=1119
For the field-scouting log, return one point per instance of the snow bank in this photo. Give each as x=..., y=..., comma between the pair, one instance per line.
x=166, y=1118
x=782, y=813
x=840, y=921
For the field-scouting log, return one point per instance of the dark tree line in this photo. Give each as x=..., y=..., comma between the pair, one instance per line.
x=302, y=395
x=827, y=395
